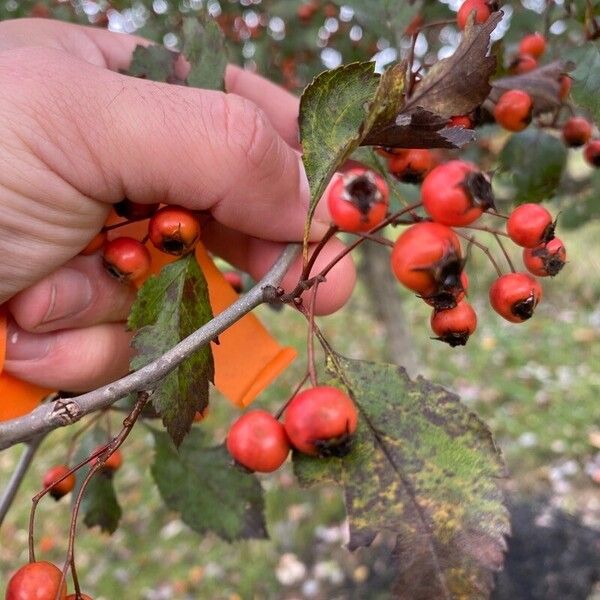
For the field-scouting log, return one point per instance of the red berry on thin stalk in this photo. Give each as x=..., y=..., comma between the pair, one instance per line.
x=174, y=230
x=515, y=296
x=454, y=325
x=126, y=259
x=60, y=488
x=524, y=63
x=481, y=9
x=546, y=260
x=514, y=110
x=591, y=153
x=576, y=132
x=358, y=200
x=412, y=166
x=530, y=225
x=533, y=44
x=36, y=581
x=321, y=421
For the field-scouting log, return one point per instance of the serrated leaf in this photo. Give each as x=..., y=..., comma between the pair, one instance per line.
x=586, y=78
x=153, y=62
x=458, y=84
x=426, y=469
x=332, y=110
x=169, y=307
x=204, y=48
x=99, y=506
x=212, y=495
x=534, y=162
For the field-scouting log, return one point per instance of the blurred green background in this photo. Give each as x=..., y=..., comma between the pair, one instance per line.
x=537, y=385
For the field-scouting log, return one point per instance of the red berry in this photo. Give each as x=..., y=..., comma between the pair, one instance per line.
x=174, y=230
x=454, y=325
x=461, y=121
x=530, y=225
x=307, y=11
x=63, y=487
x=95, y=244
x=134, y=211
x=514, y=110
x=126, y=259
x=449, y=299
x=515, y=296
x=523, y=64
x=534, y=44
x=456, y=193
x=412, y=166
x=576, y=132
x=546, y=260
x=427, y=259
x=257, y=440
x=482, y=12
x=36, y=581
x=320, y=421
x=113, y=462
x=358, y=200
x=234, y=279
x=591, y=153
x=565, y=83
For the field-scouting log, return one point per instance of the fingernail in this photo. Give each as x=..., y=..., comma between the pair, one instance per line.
x=70, y=294
x=22, y=345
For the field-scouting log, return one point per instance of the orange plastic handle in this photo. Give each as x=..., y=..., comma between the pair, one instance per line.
x=247, y=358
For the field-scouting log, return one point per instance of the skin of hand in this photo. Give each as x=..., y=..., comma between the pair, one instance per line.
x=76, y=137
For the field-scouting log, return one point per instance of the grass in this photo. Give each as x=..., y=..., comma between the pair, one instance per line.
x=535, y=384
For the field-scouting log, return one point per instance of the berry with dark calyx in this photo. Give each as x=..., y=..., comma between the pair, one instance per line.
x=358, y=200
x=258, y=441
x=450, y=298
x=320, y=421
x=481, y=8
x=546, y=260
x=60, y=488
x=454, y=326
x=412, y=166
x=591, y=153
x=427, y=259
x=533, y=44
x=461, y=121
x=530, y=225
x=456, y=193
x=36, y=581
x=514, y=110
x=576, y=132
x=234, y=279
x=523, y=64
x=134, y=211
x=113, y=462
x=565, y=83
x=96, y=243
x=515, y=296
x=126, y=259
x=174, y=230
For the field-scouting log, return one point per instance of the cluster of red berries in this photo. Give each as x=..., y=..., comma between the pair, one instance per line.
x=171, y=229
x=319, y=421
x=427, y=257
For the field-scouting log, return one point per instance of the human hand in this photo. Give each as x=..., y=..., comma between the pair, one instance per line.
x=77, y=137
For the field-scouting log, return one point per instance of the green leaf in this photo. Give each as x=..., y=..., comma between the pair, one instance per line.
x=99, y=505
x=204, y=47
x=202, y=484
x=169, y=307
x=332, y=111
x=153, y=62
x=426, y=469
x=586, y=78
x=534, y=162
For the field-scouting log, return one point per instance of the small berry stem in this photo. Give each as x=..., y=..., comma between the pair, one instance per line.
x=312, y=370
x=378, y=239
x=75, y=578
x=497, y=214
x=485, y=250
x=298, y=387
x=487, y=229
x=505, y=252
x=318, y=248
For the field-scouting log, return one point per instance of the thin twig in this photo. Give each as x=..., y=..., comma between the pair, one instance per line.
x=293, y=395
x=333, y=229
x=51, y=416
x=312, y=370
x=506, y=255
x=378, y=239
x=485, y=250
x=10, y=492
